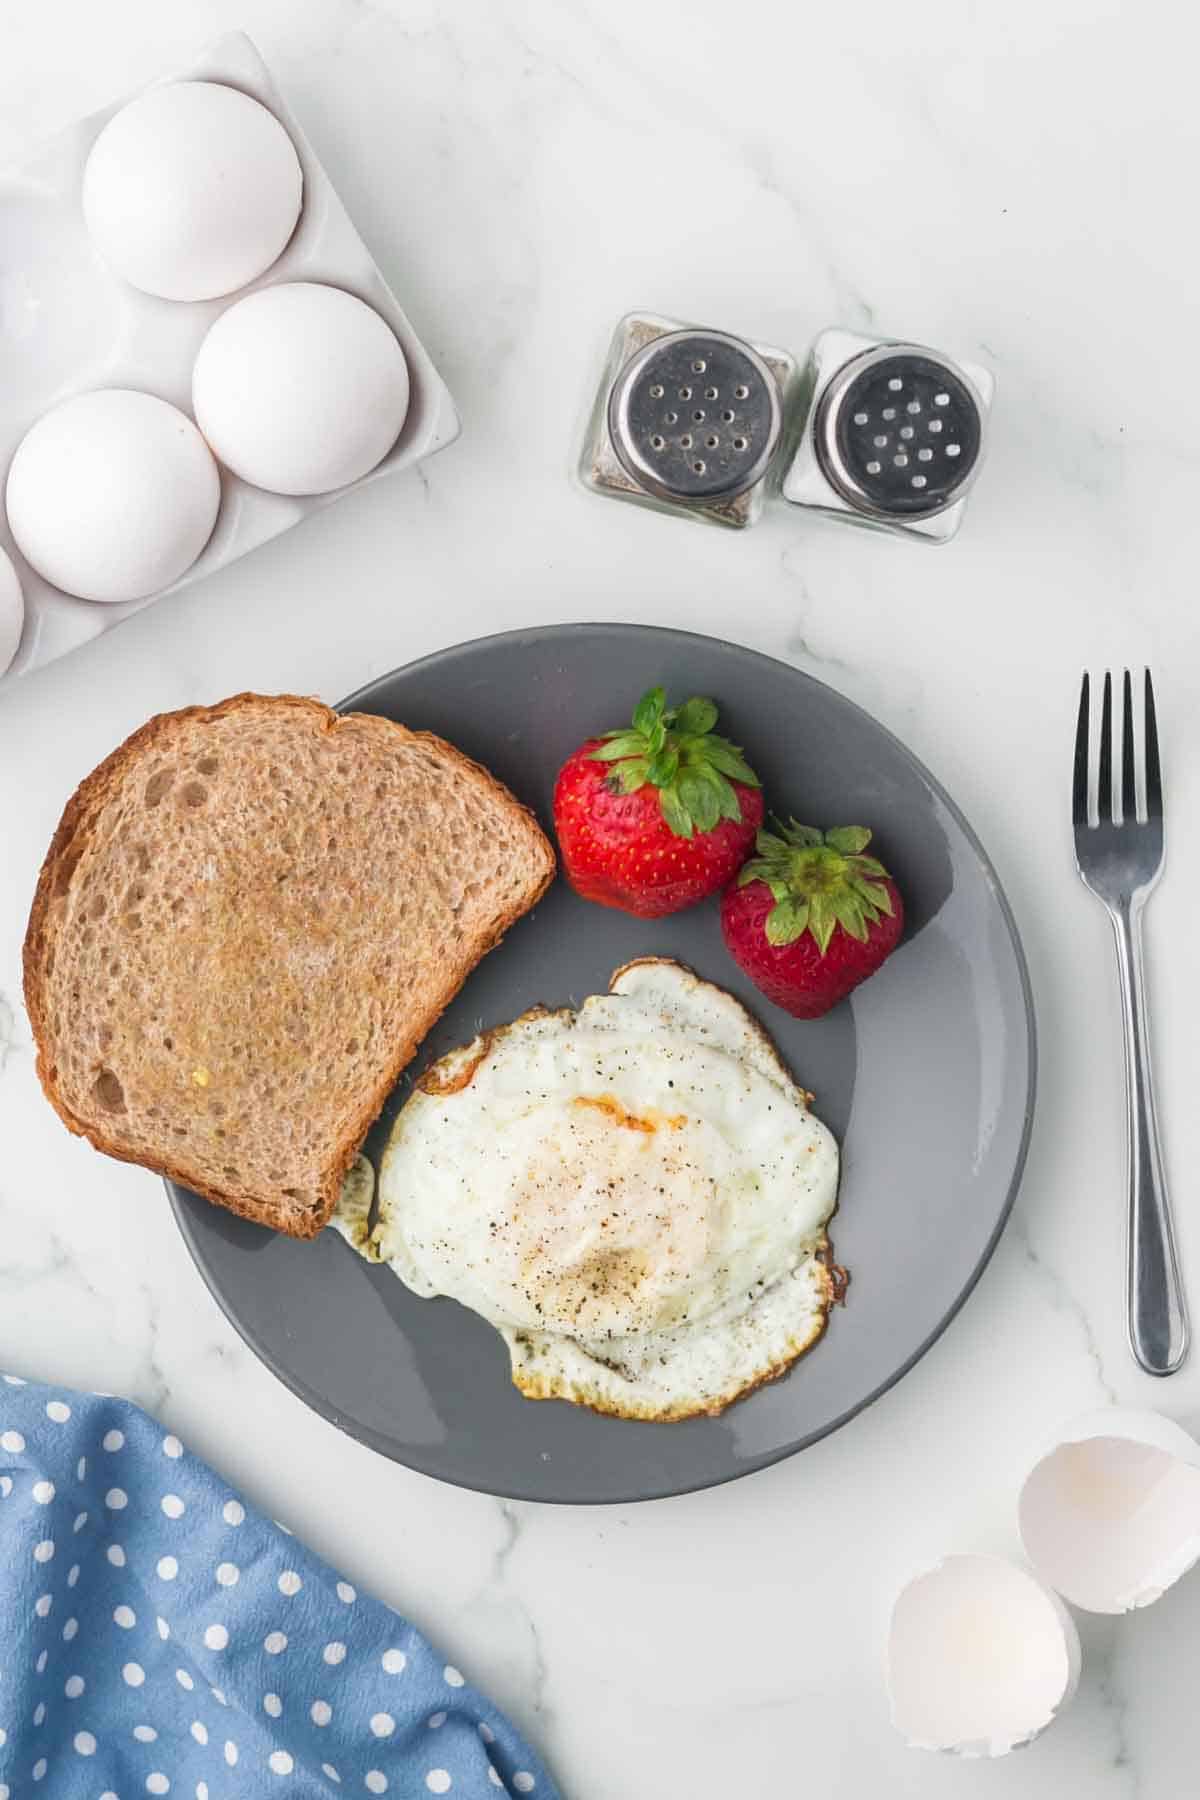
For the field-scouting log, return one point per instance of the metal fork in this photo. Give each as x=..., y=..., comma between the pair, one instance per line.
x=1120, y=860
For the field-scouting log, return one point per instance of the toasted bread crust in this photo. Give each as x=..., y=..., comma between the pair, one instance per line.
x=80, y=818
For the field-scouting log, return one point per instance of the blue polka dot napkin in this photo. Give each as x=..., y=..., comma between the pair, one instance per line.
x=158, y=1636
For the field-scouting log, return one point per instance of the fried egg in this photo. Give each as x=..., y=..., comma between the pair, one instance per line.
x=634, y=1194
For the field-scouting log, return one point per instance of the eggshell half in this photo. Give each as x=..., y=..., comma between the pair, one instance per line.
x=981, y=1657
x=1110, y=1513
x=12, y=610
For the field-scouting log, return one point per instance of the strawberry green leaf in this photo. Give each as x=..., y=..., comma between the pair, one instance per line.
x=701, y=800
x=663, y=768
x=878, y=895
x=649, y=710
x=625, y=743
x=768, y=845
x=629, y=776
x=729, y=760
x=787, y=921
x=849, y=915
x=696, y=717
x=869, y=865
x=675, y=813
x=821, y=920
x=803, y=836
x=850, y=840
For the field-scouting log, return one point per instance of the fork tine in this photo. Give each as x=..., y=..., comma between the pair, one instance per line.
x=1128, y=781
x=1104, y=796
x=1154, y=804
x=1079, y=807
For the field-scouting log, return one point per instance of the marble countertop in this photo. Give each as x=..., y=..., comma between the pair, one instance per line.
x=1004, y=182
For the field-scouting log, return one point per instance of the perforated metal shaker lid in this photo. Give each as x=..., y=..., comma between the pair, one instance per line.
x=899, y=431
x=695, y=416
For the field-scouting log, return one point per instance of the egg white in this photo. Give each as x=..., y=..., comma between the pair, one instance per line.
x=634, y=1194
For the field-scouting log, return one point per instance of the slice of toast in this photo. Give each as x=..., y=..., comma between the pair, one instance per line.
x=249, y=917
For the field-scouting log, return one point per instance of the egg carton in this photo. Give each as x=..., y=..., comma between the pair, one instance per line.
x=69, y=324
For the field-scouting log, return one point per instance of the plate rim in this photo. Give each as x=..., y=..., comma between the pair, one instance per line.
x=374, y=1440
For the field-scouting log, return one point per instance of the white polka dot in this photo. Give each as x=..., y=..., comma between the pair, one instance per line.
x=346, y=1592
x=202, y=1790
x=113, y=1440
x=272, y=1704
x=172, y=1446
x=394, y=1662
x=70, y=1630
x=435, y=1721
x=438, y=1781
x=116, y=1556
x=231, y=1752
x=218, y=1696
x=39, y=1712
x=334, y=1653
x=157, y=1783
x=493, y=1777
x=16, y=1380
x=39, y=1768
x=233, y=1512
x=321, y=1712
x=227, y=1574
x=376, y=1781
x=329, y=1770
x=125, y=1617
x=42, y=1605
x=72, y=1574
x=452, y=1676
x=5, y=1485
x=199, y=1732
x=145, y=1734
x=280, y=1762
x=43, y=1659
x=108, y=1795
x=523, y=1782
x=166, y=1568
x=382, y=1724
x=58, y=1410
x=289, y=1583
x=134, y=1674
x=115, y=1499
x=164, y=1630
x=43, y=1492
x=44, y=1551
x=12, y=1441
x=184, y=1679
x=74, y=1686
x=274, y=1643
x=216, y=1637
x=4, y=1785
x=173, y=1506
x=81, y=1520
x=81, y=1468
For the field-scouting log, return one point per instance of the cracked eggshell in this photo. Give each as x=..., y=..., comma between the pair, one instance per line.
x=1110, y=1513
x=981, y=1657
x=12, y=610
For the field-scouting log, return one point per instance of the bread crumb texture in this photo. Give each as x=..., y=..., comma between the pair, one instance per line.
x=250, y=916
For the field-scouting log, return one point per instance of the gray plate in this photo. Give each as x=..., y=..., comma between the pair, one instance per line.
x=926, y=1076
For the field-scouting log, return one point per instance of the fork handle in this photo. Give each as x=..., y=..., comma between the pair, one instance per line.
x=1158, y=1321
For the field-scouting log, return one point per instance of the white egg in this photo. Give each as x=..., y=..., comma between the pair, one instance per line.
x=192, y=190
x=300, y=388
x=635, y=1195
x=981, y=1657
x=112, y=495
x=1110, y=1515
x=12, y=610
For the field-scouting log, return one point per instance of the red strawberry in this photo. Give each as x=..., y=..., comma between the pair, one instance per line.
x=810, y=916
x=654, y=818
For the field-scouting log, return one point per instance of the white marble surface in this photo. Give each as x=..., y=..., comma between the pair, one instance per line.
x=1012, y=182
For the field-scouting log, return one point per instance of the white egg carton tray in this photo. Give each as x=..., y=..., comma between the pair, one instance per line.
x=68, y=324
